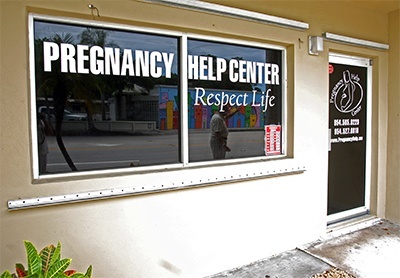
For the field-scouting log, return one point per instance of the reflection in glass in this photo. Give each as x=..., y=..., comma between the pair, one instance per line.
x=249, y=79
x=110, y=97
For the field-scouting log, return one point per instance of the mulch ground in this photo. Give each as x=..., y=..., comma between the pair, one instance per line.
x=333, y=273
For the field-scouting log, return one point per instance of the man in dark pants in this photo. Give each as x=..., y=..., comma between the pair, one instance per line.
x=219, y=132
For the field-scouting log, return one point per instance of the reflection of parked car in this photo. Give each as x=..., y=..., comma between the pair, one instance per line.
x=68, y=115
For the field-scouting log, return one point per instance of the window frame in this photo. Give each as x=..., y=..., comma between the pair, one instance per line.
x=284, y=125
x=183, y=133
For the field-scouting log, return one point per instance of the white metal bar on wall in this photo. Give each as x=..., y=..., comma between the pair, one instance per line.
x=156, y=187
x=355, y=41
x=232, y=12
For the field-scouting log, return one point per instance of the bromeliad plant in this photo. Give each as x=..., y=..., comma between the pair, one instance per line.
x=45, y=264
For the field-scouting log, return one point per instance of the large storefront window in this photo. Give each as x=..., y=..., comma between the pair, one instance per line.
x=235, y=99
x=111, y=97
x=104, y=98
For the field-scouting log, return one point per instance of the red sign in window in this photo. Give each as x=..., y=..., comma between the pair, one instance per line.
x=272, y=139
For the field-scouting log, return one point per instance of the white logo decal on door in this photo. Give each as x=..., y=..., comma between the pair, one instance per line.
x=347, y=94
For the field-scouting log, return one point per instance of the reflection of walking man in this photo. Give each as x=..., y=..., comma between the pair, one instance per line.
x=43, y=128
x=219, y=133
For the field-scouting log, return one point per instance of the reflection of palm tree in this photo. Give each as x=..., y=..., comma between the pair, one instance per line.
x=58, y=85
x=92, y=86
x=62, y=85
x=87, y=87
x=95, y=85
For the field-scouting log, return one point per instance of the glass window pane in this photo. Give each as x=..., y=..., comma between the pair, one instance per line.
x=105, y=98
x=235, y=93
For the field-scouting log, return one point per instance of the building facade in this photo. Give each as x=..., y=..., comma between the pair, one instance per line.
x=313, y=90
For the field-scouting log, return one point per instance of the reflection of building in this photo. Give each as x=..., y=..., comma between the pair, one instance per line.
x=167, y=106
x=98, y=110
x=199, y=116
x=161, y=106
x=135, y=104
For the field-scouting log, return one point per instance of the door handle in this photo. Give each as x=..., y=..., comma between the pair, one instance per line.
x=329, y=140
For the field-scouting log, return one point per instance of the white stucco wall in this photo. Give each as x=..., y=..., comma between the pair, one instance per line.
x=393, y=190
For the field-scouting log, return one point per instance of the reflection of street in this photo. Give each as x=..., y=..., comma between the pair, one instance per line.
x=242, y=144
x=105, y=152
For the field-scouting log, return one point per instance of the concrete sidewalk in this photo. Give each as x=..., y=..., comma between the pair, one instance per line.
x=364, y=251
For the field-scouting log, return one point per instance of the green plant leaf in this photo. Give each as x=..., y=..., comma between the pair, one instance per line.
x=88, y=273
x=58, y=268
x=46, y=264
x=56, y=255
x=62, y=275
x=6, y=274
x=77, y=275
x=34, y=260
x=34, y=275
x=46, y=255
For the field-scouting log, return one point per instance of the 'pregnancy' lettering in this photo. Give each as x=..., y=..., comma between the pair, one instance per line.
x=97, y=60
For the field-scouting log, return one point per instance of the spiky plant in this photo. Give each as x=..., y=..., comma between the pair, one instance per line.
x=45, y=264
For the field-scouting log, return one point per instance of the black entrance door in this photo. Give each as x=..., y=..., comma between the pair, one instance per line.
x=348, y=130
